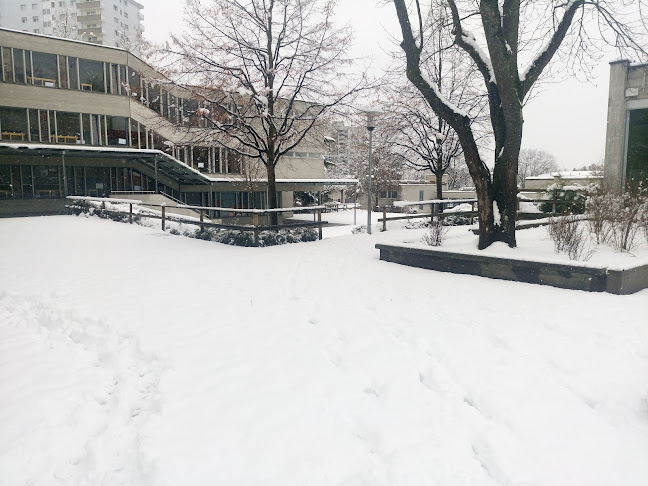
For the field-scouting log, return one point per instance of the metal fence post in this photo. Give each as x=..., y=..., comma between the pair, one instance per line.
x=163, y=215
x=384, y=228
x=130, y=213
x=319, y=220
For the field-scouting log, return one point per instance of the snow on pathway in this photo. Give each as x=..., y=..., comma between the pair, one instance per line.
x=74, y=396
x=303, y=364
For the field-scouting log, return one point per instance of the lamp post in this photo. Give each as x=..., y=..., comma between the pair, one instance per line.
x=371, y=115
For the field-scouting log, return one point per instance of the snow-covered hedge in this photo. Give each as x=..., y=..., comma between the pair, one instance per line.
x=246, y=238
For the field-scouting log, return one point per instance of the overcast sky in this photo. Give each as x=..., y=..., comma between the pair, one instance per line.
x=567, y=119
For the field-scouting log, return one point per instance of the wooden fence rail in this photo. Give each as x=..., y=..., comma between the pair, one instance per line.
x=437, y=205
x=256, y=227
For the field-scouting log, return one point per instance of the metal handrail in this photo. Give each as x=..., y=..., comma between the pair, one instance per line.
x=171, y=197
x=256, y=227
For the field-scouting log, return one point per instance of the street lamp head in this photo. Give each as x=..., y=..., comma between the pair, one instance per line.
x=371, y=115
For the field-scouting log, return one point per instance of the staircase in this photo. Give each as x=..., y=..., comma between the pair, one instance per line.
x=156, y=200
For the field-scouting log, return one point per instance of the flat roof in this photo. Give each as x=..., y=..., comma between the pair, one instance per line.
x=65, y=39
x=165, y=163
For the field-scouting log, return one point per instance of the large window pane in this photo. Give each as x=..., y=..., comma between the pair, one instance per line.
x=98, y=181
x=134, y=134
x=217, y=159
x=44, y=126
x=72, y=69
x=45, y=70
x=27, y=188
x=68, y=126
x=123, y=78
x=6, y=188
x=117, y=130
x=134, y=83
x=13, y=123
x=97, y=132
x=63, y=72
x=164, y=103
x=637, y=167
x=91, y=75
x=189, y=108
x=154, y=97
x=85, y=118
x=46, y=181
x=173, y=109
x=19, y=65
x=33, y=126
x=7, y=65
x=201, y=158
x=233, y=163
x=143, y=143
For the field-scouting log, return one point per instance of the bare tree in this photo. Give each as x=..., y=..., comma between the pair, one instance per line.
x=274, y=68
x=424, y=140
x=132, y=41
x=510, y=30
x=533, y=162
x=64, y=23
x=387, y=168
x=458, y=175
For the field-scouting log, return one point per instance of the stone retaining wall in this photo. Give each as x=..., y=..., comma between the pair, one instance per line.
x=555, y=274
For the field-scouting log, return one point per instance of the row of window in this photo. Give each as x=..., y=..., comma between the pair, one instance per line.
x=49, y=126
x=55, y=71
x=54, y=181
x=35, y=6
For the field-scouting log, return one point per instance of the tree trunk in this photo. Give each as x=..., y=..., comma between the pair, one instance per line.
x=439, y=189
x=272, y=192
x=505, y=196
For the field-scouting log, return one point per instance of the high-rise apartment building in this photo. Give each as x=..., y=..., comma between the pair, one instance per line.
x=108, y=22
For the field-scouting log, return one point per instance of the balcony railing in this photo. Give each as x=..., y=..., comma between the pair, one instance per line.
x=89, y=5
x=88, y=18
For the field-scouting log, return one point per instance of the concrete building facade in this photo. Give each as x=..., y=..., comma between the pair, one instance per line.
x=82, y=119
x=626, y=144
x=115, y=23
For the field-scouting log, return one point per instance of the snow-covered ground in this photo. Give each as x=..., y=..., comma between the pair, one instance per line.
x=129, y=356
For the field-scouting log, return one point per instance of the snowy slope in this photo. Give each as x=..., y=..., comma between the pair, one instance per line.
x=131, y=356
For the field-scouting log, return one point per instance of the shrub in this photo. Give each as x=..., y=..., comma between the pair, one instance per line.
x=457, y=220
x=569, y=199
x=600, y=214
x=617, y=219
x=437, y=233
x=627, y=214
x=569, y=236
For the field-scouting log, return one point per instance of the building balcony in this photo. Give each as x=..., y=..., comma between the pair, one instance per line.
x=85, y=31
x=89, y=5
x=83, y=19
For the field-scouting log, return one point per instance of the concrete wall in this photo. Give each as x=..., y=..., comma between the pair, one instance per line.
x=63, y=47
x=628, y=90
x=557, y=275
x=616, y=125
x=37, y=97
x=410, y=192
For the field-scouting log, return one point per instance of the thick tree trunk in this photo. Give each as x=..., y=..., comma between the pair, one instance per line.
x=485, y=218
x=505, y=196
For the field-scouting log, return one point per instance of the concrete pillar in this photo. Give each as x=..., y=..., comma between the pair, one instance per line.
x=615, y=138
